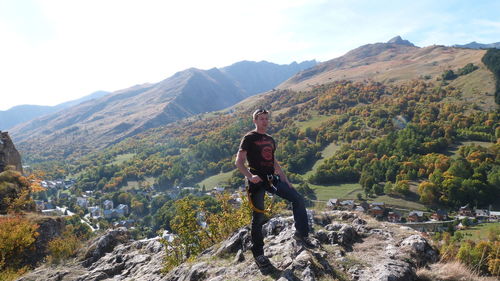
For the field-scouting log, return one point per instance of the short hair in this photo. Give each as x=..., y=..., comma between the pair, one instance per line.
x=258, y=112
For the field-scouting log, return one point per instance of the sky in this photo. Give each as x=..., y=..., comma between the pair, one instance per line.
x=53, y=51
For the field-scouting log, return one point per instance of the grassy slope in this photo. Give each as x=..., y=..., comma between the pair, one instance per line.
x=480, y=232
x=122, y=158
x=148, y=181
x=314, y=122
x=453, y=152
x=216, y=180
x=326, y=153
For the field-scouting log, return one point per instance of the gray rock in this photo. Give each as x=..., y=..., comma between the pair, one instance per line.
x=326, y=237
x=390, y=271
x=113, y=257
x=334, y=226
x=239, y=240
x=104, y=244
x=239, y=257
x=197, y=272
x=420, y=250
x=307, y=275
x=275, y=225
x=347, y=235
x=359, y=221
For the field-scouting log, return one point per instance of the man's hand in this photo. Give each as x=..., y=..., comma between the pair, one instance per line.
x=255, y=179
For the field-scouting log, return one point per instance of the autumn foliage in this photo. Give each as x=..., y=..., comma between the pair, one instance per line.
x=17, y=240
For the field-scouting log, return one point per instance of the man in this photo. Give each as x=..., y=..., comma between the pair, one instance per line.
x=258, y=148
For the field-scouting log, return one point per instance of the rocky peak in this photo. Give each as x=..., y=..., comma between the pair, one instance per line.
x=8, y=153
x=345, y=244
x=398, y=40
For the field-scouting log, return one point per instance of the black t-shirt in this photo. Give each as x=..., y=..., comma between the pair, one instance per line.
x=260, y=152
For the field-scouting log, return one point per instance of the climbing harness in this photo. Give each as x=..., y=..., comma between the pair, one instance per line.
x=271, y=180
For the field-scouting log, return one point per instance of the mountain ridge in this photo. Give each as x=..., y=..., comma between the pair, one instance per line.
x=22, y=113
x=392, y=63
x=127, y=112
x=476, y=45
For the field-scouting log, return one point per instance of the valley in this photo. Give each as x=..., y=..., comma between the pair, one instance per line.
x=400, y=133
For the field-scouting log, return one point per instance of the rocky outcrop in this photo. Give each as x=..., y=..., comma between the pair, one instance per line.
x=48, y=229
x=346, y=247
x=398, y=40
x=8, y=153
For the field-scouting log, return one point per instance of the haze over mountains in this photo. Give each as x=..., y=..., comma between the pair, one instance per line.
x=125, y=113
x=130, y=111
x=22, y=113
x=475, y=45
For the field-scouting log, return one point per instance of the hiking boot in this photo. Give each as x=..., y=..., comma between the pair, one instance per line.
x=262, y=261
x=304, y=240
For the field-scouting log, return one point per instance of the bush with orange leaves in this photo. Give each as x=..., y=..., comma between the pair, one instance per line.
x=17, y=240
x=15, y=192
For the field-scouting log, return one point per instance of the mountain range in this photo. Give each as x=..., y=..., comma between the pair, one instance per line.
x=394, y=62
x=23, y=113
x=127, y=112
x=100, y=122
x=475, y=45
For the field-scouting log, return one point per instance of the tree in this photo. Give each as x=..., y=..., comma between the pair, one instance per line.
x=367, y=181
x=429, y=192
x=388, y=188
x=449, y=75
x=460, y=168
x=378, y=189
x=17, y=237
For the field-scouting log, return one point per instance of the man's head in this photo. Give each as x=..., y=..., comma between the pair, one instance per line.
x=261, y=120
x=258, y=112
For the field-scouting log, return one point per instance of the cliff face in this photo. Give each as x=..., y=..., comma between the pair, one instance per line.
x=8, y=153
x=347, y=247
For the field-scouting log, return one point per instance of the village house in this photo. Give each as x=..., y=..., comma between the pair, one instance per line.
x=394, y=216
x=347, y=204
x=82, y=202
x=377, y=209
x=124, y=223
x=360, y=208
x=465, y=211
x=58, y=211
x=482, y=215
x=494, y=215
x=440, y=215
x=109, y=213
x=416, y=216
x=333, y=203
x=95, y=211
x=107, y=205
x=124, y=208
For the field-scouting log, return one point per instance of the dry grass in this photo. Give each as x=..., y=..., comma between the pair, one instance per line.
x=450, y=271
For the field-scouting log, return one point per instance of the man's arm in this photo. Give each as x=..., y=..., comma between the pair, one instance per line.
x=241, y=157
x=279, y=171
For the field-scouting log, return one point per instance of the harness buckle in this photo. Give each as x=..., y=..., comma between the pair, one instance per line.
x=272, y=179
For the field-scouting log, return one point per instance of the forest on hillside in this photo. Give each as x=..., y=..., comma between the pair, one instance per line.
x=391, y=135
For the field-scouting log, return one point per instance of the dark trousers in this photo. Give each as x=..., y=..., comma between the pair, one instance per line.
x=257, y=192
